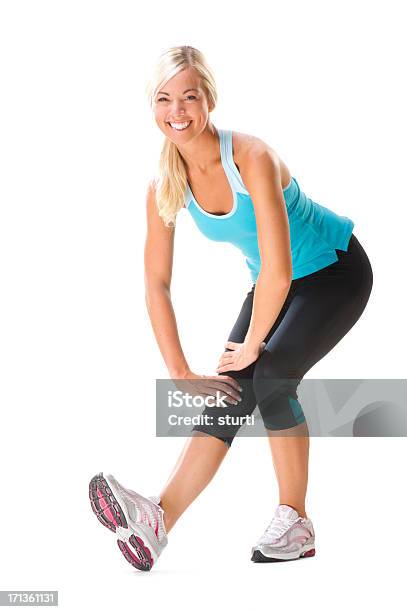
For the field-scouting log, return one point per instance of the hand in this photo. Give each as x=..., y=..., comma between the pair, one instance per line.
x=241, y=356
x=207, y=386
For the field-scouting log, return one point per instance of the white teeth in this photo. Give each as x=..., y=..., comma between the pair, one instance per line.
x=180, y=126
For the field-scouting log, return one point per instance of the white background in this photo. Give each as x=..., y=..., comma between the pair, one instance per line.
x=323, y=84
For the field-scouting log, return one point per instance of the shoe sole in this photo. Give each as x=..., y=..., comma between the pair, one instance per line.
x=113, y=516
x=258, y=556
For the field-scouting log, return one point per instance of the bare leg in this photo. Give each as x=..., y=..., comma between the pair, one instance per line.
x=195, y=468
x=290, y=454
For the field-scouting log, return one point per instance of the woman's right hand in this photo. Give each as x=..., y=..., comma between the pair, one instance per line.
x=208, y=386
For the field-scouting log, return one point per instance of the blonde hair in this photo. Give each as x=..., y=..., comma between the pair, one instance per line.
x=171, y=179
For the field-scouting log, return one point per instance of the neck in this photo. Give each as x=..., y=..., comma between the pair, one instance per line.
x=202, y=153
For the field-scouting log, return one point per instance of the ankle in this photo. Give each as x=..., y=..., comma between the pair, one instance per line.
x=299, y=509
x=167, y=520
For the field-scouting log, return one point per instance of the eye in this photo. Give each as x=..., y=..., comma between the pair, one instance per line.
x=190, y=96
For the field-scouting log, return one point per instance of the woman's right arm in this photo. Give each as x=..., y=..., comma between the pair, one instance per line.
x=158, y=260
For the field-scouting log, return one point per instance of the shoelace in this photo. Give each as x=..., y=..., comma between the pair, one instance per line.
x=148, y=515
x=277, y=527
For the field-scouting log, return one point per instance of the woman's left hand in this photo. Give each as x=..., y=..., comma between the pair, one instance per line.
x=241, y=356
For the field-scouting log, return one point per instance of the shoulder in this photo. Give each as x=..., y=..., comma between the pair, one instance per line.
x=152, y=186
x=251, y=151
x=245, y=145
x=150, y=199
x=150, y=195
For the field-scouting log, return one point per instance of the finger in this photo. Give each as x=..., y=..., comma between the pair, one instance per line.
x=208, y=389
x=227, y=398
x=200, y=392
x=230, y=381
x=210, y=386
x=231, y=400
x=227, y=383
x=219, y=387
x=230, y=344
x=228, y=389
x=225, y=368
x=225, y=359
x=230, y=353
x=224, y=364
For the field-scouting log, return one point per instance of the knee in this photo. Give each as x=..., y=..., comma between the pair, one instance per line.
x=243, y=374
x=224, y=422
x=275, y=386
x=199, y=431
x=272, y=374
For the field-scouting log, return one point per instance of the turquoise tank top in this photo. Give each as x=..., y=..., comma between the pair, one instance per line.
x=315, y=231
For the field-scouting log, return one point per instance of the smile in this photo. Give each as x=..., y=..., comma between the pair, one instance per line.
x=180, y=126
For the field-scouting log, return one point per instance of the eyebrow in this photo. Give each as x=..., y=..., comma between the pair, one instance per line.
x=184, y=92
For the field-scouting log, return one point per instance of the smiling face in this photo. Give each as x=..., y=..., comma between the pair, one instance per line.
x=180, y=107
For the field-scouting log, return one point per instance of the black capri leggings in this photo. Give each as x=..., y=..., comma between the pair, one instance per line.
x=319, y=310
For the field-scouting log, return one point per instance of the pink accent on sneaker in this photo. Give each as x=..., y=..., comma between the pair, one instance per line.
x=288, y=536
x=137, y=520
x=105, y=507
x=142, y=560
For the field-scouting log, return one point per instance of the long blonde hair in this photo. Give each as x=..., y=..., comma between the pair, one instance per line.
x=171, y=179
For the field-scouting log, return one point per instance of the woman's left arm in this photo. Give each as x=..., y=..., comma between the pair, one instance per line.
x=260, y=171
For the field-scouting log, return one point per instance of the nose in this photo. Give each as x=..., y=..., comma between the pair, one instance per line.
x=177, y=108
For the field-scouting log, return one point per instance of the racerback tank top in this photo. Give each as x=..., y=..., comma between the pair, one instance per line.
x=315, y=231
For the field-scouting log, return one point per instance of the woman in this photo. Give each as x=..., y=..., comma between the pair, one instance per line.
x=311, y=282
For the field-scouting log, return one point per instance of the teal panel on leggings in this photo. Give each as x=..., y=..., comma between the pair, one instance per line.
x=315, y=231
x=297, y=410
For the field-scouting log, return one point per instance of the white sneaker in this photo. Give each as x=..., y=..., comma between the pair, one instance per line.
x=138, y=521
x=288, y=536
